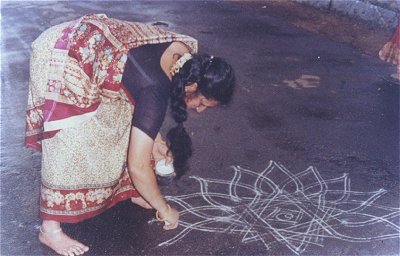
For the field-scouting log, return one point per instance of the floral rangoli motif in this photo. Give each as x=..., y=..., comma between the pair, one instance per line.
x=279, y=207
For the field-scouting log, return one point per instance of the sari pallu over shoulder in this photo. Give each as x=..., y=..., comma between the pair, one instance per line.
x=85, y=68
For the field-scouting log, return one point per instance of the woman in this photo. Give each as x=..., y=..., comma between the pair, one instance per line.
x=98, y=94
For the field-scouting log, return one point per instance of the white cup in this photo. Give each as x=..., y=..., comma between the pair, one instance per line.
x=163, y=169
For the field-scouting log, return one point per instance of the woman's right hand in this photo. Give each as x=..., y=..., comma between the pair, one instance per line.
x=160, y=151
x=170, y=216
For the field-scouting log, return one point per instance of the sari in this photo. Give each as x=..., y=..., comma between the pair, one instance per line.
x=390, y=52
x=79, y=113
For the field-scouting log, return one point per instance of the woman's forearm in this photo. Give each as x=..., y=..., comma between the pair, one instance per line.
x=140, y=171
x=144, y=179
x=145, y=182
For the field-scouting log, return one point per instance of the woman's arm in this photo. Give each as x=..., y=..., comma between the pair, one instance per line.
x=144, y=179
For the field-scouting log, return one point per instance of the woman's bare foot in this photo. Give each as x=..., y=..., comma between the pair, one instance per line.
x=57, y=240
x=141, y=202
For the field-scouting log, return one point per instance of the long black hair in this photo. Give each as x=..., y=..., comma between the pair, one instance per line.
x=215, y=80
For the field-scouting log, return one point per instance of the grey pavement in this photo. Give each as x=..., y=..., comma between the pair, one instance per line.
x=302, y=100
x=384, y=13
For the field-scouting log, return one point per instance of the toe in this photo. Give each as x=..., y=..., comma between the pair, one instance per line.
x=79, y=250
x=74, y=251
x=83, y=248
x=63, y=252
x=71, y=252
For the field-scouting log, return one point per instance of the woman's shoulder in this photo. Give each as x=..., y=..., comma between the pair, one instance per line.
x=179, y=47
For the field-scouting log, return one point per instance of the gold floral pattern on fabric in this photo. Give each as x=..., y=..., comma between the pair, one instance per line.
x=69, y=205
x=52, y=197
x=84, y=168
x=56, y=198
x=98, y=195
x=39, y=65
x=94, y=154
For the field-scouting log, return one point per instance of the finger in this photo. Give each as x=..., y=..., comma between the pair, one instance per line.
x=169, y=226
x=173, y=226
x=162, y=152
x=168, y=159
x=157, y=158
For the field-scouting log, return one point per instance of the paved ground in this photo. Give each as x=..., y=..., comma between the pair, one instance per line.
x=303, y=99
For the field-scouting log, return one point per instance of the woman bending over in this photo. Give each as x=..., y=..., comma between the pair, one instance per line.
x=98, y=95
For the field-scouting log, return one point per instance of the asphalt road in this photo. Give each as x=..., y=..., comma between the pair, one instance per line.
x=302, y=100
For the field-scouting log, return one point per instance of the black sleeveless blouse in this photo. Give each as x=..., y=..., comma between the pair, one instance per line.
x=149, y=86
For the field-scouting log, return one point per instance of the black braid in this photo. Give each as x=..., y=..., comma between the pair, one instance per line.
x=215, y=80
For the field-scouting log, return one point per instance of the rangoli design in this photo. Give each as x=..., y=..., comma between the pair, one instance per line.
x=278, y=207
